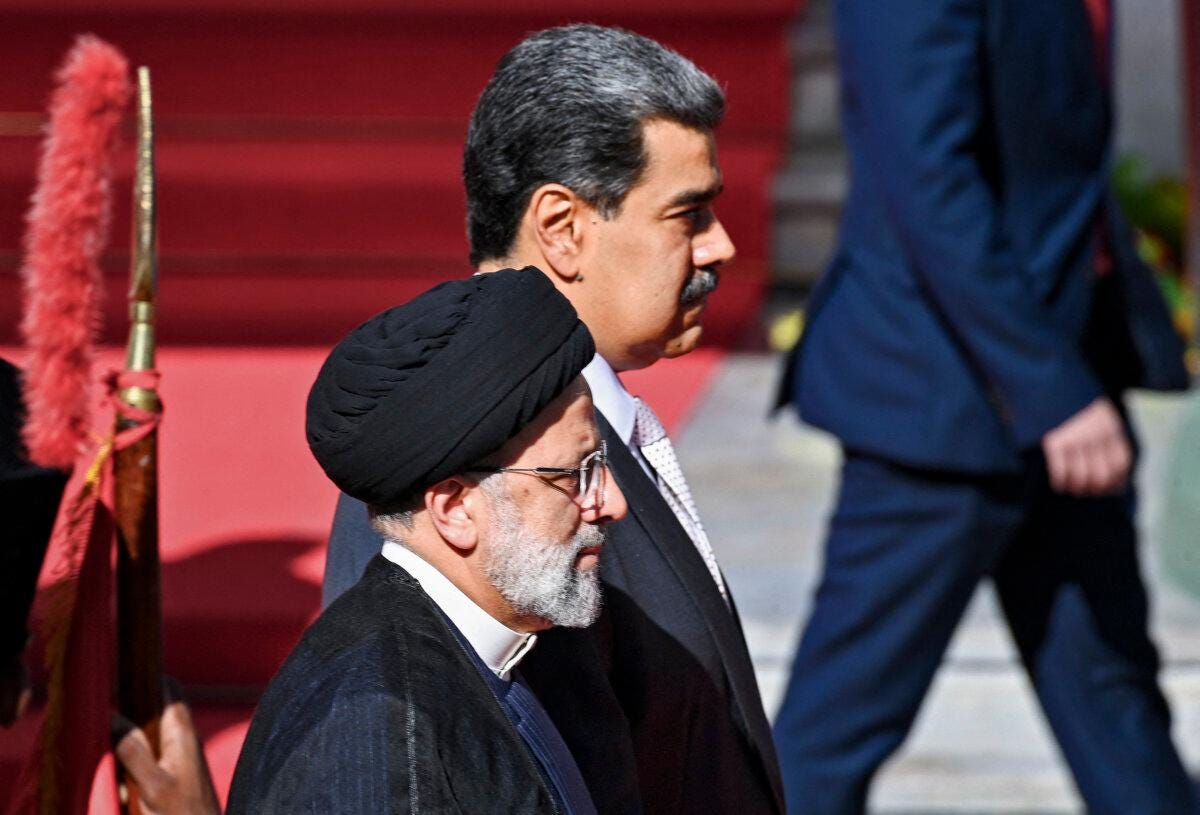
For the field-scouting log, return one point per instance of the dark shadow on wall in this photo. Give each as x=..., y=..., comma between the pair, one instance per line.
x=233, y=612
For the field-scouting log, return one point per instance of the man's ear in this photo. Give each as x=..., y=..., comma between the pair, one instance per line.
x=554, y=217
x=453, y=507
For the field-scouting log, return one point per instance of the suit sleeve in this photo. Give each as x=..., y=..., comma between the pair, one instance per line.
x=352, y=544
x=913, y=81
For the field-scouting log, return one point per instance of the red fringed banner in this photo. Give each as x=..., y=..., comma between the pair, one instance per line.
x=74, y=617
x=67, y=230
x=73, y=614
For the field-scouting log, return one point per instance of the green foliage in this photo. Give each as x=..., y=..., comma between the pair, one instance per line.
x=1156, y=206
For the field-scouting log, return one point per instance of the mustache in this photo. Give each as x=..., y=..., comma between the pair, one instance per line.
x=588, y=536
x=701, y=284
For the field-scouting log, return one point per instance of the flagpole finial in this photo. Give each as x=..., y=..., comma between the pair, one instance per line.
x=144, y=272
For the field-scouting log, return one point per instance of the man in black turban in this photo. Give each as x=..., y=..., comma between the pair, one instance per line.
x=462, y=421
x=591, y=155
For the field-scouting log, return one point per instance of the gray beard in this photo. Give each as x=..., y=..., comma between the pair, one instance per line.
x=538, y=576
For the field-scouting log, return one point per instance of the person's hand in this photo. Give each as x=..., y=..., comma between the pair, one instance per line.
x=14, y=690
x=1089, y=453
x=179, y=782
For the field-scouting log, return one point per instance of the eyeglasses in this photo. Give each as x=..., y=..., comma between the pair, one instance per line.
x=589, y=476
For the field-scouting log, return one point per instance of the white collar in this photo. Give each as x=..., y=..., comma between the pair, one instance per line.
x=610, y=397
x=498, y=646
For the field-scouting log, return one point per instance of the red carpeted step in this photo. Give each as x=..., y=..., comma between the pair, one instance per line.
x=311, y=144
x=275, y=302
x=297, y=242
x=335, y=200
x=423, y=58
x=246, y=199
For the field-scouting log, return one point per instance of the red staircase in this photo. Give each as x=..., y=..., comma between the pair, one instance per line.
x=308, y=155
x=309, y=151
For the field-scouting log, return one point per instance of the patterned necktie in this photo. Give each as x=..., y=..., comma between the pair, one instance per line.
x=650, y=437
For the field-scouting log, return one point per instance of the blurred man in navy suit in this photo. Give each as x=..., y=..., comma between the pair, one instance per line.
x=969, y=346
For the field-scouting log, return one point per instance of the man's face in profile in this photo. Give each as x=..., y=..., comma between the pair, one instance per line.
x=545, y=535
x=654, y=262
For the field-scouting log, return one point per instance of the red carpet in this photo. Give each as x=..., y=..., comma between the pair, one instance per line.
x=309, y=152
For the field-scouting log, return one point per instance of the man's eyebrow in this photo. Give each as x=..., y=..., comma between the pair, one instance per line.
x=701, y=196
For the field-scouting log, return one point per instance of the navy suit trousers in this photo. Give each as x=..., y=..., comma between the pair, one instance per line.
x=905, y=551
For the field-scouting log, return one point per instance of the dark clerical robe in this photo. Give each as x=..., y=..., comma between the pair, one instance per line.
x=380, y=710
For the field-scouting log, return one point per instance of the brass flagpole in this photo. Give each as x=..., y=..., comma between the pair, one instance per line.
x=139, y=602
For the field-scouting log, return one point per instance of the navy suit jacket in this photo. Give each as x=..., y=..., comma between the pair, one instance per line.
x=962, y=316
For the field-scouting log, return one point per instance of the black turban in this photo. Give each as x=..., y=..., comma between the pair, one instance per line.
x=424, y=390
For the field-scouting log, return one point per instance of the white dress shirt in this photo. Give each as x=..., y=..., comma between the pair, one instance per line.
x=498, y=646
x=615, y=404
x=619, y=407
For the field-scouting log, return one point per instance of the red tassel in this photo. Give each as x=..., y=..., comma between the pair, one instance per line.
x=67, y=229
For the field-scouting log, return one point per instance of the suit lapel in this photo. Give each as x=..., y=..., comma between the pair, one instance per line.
x=652, y=512
x=649, y=509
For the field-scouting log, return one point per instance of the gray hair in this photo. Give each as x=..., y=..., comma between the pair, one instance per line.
x=567, y=106
x=388, y=523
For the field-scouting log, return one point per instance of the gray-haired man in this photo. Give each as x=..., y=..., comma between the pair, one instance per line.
x=590, y=155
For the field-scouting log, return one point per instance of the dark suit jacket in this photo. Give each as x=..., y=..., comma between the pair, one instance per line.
x=379, y=709
x=962, y=316
x=657, y=701
x=677, y=664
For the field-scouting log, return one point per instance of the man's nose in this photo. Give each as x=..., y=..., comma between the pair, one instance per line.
x=612, y=505
x=713, y=246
